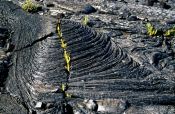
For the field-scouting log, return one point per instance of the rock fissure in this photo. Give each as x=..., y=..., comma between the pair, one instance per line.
x=34, y=42
x=67, y=59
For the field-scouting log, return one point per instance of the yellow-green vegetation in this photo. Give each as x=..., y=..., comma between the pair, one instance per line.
x=68, y=95
x=29, y=6
x=170, y=32
x=67, y=59
x=153, y=32
x=63, y=87
x=59, y=29
x=64, y=46
x=150, y=29
x=85, y=20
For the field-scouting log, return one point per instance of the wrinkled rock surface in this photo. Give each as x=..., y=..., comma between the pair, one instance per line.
x=119, y=69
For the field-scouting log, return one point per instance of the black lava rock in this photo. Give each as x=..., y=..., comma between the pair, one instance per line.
x=170, y=21
x=88, y=9
x=115, y=33
x=3, y=72
x=124, y=14
x=3, y=33
x=157, y=56
x=132, y=18
x=165, y=5
x=50, y=4
x=151, y=2
x=3, y=36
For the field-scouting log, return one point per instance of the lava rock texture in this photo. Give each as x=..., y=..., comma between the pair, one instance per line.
x=116, y=68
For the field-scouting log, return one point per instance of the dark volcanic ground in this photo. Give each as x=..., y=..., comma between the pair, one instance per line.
x=125, y=22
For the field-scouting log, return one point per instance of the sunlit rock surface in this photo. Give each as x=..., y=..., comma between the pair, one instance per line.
x=115, y=66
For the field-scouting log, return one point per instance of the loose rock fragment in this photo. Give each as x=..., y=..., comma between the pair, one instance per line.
x=38, y=105
x=90, y=104
x=111, y=106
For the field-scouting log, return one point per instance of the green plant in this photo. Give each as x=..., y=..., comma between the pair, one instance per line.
x=68, y=95
x=85, y=20
x=63, y=45
x=67, y=60
x=151, y=30
x=59, y=29
x=63, y=87
x=170, y=32
x=29, y=6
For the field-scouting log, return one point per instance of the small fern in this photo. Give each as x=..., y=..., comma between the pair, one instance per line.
x=68, y=95
x=63, y=87
x=66, y=55
x=85, y=20
x=63, y=44
x=59, y=30
x=67, y=59
x=151, y=30
x=29, y=6
x=170, y=32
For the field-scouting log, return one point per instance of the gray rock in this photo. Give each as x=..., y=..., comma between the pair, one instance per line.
x=88, y=9
x=39, y=105
x=116, y=106
x=90, y=104
x=3, y=33
x=101, y=67
x=115, y=33
x=10, y=105
x=151, y=110
x=170, y=21
x=132, y=18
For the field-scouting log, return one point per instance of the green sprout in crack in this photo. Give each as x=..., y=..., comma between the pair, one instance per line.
x=85, y=20
x=151, y=30
x=29, y=6
x=68, y=95
x=63, y=87
x=170, y=32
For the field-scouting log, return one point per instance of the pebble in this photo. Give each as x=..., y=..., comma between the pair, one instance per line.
x=116, y=106
x=77, y=112
x=90, y=104
x=38, y=105
x=132, y=18
x=41, y=13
